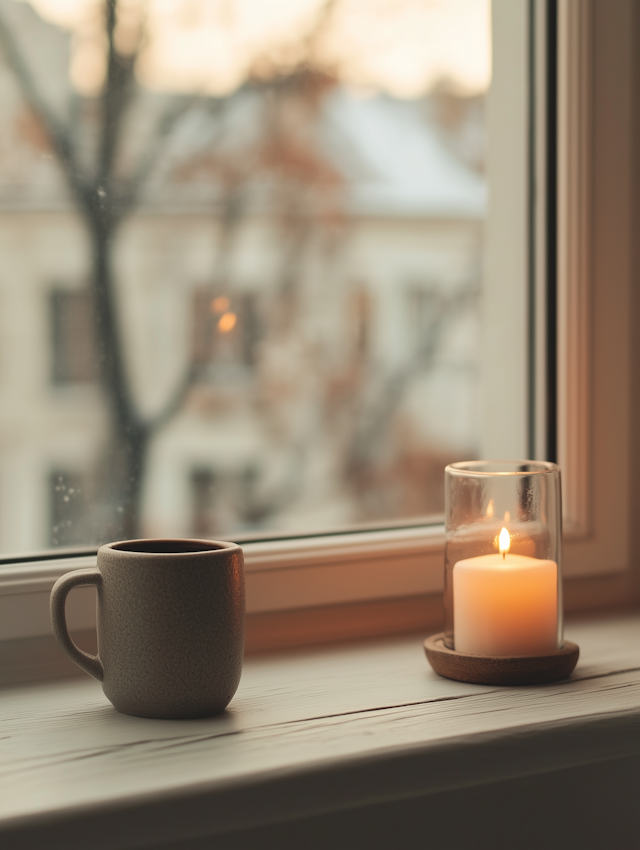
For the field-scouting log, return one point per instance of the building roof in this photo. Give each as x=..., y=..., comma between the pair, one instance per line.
x=393, y=157
x=395, y=161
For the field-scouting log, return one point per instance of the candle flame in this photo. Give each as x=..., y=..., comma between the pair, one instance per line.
x=504, y=542
x=490, y=508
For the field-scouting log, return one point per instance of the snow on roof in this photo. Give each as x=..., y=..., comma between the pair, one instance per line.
x=393, y=160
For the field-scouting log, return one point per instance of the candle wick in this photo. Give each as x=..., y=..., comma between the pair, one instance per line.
x=504, y=554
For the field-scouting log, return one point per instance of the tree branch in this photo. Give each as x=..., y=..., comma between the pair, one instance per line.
x=165, y=127
x=312, y=38
x=230, y=218
x=58, y=134
x=175, y=400
x=115, y=95
x=394, y=387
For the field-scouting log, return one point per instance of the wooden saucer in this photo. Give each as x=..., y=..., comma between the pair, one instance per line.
x=501, y=670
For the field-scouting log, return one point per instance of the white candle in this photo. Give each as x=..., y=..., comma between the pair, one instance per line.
x=505, y=604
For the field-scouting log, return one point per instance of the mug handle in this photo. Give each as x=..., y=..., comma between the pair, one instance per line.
x=59, y=593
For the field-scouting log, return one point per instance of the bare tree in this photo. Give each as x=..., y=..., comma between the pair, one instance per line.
x=105, y=197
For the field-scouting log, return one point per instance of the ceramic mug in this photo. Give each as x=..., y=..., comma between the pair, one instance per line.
x=170, y=625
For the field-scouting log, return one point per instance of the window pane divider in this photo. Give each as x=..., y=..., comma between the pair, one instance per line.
x=574, y=263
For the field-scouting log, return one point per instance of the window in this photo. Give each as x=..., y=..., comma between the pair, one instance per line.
x=225, y=330
x=73, y=356
x=203, y=490
x=281, y=247
x=68, y=508
x=222, y=498
x=482, y=284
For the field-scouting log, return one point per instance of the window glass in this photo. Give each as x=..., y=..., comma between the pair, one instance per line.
x=242, y=245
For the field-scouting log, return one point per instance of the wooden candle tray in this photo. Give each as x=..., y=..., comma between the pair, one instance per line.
x=501, y=670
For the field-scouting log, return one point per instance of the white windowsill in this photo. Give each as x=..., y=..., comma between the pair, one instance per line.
x=315, y=734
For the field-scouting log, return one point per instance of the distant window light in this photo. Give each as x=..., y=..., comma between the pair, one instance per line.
x=219, y=321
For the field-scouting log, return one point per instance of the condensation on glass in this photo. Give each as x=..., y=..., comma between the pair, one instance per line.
x=241, y=248
x=503, y=554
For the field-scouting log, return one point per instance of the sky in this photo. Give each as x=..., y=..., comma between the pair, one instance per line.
x=401, y=47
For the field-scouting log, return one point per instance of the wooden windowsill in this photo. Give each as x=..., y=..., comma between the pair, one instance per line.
x=314, y=741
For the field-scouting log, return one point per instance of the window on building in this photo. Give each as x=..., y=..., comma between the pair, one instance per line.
x=225, y=498
x=68, y=508
x=203, y=503
x=73, y=355
x=226, y=329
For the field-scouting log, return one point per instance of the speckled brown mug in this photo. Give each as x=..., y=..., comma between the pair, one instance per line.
x=170, y=625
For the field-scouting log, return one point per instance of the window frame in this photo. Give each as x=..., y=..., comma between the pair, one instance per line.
x=315, y=573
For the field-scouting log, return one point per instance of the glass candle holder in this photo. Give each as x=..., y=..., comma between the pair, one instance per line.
x=503, y=587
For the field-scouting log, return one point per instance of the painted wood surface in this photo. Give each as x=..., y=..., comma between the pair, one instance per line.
x=308, y=732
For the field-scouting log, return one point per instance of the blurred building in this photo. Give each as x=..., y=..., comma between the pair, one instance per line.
x=322, y=277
